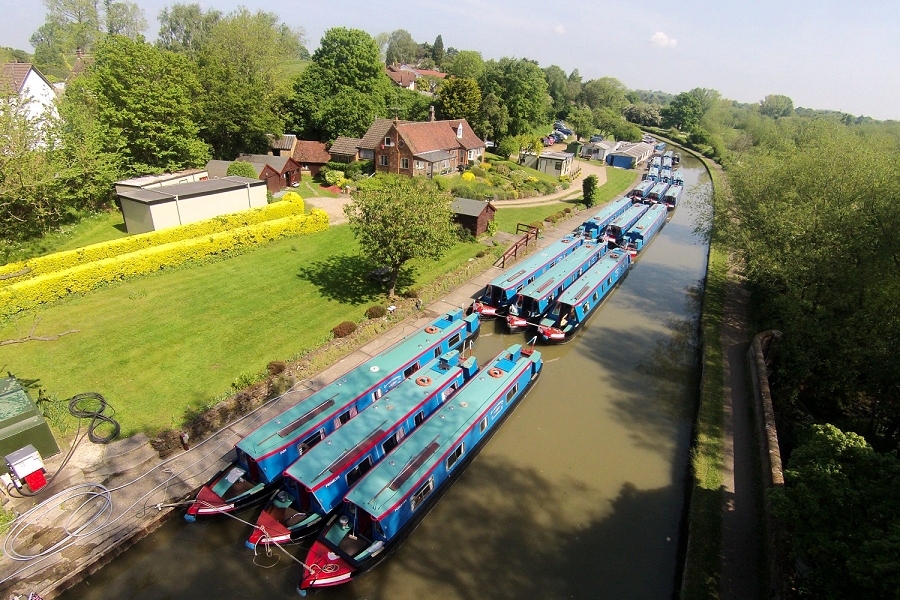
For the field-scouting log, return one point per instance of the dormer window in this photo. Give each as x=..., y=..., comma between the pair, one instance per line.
x=459, y=131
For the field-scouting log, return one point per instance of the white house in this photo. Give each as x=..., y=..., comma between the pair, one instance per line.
x=26, y=81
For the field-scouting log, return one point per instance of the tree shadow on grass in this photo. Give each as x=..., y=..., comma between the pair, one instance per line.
x=345, y=278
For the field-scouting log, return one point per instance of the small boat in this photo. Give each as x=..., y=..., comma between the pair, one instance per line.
x=615, y=232
x=262, y=456
x=391, y=499
x=641, y=189
x=678, y=178
x=676, y=158
x=665, y=175
x=653, y=174
x=499, y=293
x=647, y=226
x=579, y=302
x=670, y=199
x=536, y=299
x=596, y=225
x=315, y=484
x=656, y=193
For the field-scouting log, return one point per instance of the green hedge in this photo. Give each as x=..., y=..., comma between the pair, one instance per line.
x=85, y=277
x=61, y=261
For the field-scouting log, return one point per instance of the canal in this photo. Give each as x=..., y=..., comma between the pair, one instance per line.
x=579, y=495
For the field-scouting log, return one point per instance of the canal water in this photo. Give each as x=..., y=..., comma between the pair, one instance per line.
x=579, y=495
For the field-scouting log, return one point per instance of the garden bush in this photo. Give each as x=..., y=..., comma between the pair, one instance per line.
x=334, y=177
x=241, y=168
x=375, y=312
x=538, y=224
x=501, y=169
x=411, y=293
x=468, y=176
x=477, y=172
x=344, y=329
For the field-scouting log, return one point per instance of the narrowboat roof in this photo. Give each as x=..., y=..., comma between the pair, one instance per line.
x=592, y=278
x=328, y=458
x=278, y=431
x=649, y=218
x=610, y=209
x=391, y=481
x=632, y=213
x=674, y=190
x=544, y=284
x=529, y=265
x=644, y=185
x=659, y=186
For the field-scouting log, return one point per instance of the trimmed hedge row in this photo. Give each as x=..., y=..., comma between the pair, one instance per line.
x=61, y=261
x=82, y=278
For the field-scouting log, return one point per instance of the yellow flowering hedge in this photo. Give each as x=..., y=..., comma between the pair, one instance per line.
x=291, y=204
x=47, y=287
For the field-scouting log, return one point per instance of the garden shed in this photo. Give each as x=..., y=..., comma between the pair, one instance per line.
x=551, y=163
x=474, y=215
x=153, y=209
x=628, y=156
x=22, y=423
x=156, y=181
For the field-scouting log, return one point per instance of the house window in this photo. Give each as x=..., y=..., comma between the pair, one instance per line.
x=454, y=456
x=424, y=490
x=471, y=155
x=388, y=142
x=559, y=166
x=382, y=160
x=420, y=165
x=404, y=163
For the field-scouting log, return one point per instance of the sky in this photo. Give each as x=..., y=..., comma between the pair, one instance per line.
x=823, y=54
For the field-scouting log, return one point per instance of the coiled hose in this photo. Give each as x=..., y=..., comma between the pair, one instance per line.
x=79, y=406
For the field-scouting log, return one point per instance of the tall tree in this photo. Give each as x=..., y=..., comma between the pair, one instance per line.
x=573, y=86
x=50, y=46
x=403, y=219
x=78, y=21
x=239, y=70
x=589, y=189
x=556, y=87
x=521, y=86
x=124, y=18
x=683, y=113
x=606, y=92
x=582, y=121
x=185, y=27
x=437, y=51
x=465, y=64
x=401, y=48
x=143, y=99
x=492, y=122
x=459, y=99
x=776, y=106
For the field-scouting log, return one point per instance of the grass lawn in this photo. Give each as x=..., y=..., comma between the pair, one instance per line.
x=99, y=227
x=161, y=345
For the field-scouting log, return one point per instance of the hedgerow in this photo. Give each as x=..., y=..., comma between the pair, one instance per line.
x=81, y=278
x=291, y=205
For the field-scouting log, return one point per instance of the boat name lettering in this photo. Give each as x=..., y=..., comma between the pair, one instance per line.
x=497, y=408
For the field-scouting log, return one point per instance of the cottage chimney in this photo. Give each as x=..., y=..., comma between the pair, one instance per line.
x=431, y=113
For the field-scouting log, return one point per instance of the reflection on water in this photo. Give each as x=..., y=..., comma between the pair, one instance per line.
x=578, y=495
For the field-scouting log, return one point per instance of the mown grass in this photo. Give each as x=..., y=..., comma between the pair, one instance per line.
x=162, y=346
x=91, y=229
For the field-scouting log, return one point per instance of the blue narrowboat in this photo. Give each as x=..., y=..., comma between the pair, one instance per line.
x=670, y=199
x=678, y=178
x=656, y=193
x=536, y=299
x=660, y=146
x=669, y=154
x=387, y=504
x=656, y=161
x=316, y=483
x=264, y=454
x=580, y=301
x=641, y=189
x=646, y=227
x=500, y=292
x=666, y=162
x=653, y=174
x=596, y=225
x=665, y=174
x=615, y=233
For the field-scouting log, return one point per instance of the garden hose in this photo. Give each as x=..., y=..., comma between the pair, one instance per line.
x=79, y=407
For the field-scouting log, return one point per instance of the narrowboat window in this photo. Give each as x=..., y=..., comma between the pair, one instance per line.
x=311, y=441
x=420, y=494
x=454, y=456
x=609, y=281
x=512, y=392
x=585, y=307
x=407, y=373
x=376, y=395
x=483, y=426
x=342, y=419
x=448, y=393
x=556, y=310
x=530, y=280
x=420, y=417
x=519, y=289
x=596, y=296
x=356, y=473
x=437, y=352
x=377, y=529
x=454, y=339
x=393, y=441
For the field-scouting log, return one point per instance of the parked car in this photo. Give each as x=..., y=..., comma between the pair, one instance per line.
x=597, y=138
x=558, y=125
x=566, y=131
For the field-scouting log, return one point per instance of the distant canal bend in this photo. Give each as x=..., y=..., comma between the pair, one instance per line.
x=579, y=495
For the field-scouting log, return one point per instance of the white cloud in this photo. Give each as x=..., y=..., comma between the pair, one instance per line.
x=560, y=29
x=662, y=40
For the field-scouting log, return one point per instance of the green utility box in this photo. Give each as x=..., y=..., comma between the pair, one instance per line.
x=21, y=423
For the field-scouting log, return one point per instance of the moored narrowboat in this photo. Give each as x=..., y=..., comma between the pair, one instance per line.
x=536, y=299
x=579, y=302
x=665, y=175
x=615, y=233
x=387, y=504
x=596, y=225
x=647, y=226
x=653, y=174
x=678, y=178
x=656, y=193
x=641, y=189
x=670, y=199
x=264, y=454
x=315, y=484
x=499, y=293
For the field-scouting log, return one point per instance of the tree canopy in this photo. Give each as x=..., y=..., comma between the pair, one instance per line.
x=400, y=219
x=185, y=27
x=521, y=87
x=459, y=98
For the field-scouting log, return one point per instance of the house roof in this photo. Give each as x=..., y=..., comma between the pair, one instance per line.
x=431, y=73
x=402, y=77
x=438, y=135
x=557, y=155
x=466, y=206
x=218, y=168
x=13, y=75
x=434, y=155
x=347, y=146
x=308, y=152
x=375, y=135
x=188, y=190
x=259, y=161
x=285, y=142
x=145, y=180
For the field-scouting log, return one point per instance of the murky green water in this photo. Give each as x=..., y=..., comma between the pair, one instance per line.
x=579, y=495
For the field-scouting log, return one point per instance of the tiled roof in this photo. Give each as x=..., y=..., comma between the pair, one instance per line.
x=347, y=146
x=259, y=161
x=437, y=135
x=465, y=206
x=401, y=77
x=375, y=135
x=311, y=152
x=431, y=73
x=286, y=142
x=13, y=75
